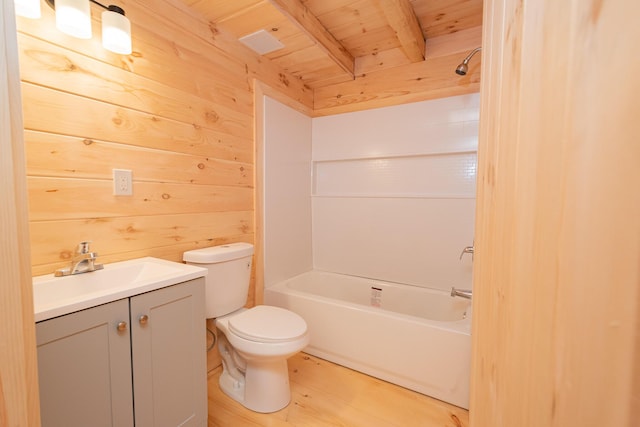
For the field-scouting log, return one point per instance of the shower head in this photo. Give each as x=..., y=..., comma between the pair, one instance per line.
x=462, y=69
x=464, y=65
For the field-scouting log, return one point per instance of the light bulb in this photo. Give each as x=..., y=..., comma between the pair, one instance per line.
x=116, y=31
x=73, y=17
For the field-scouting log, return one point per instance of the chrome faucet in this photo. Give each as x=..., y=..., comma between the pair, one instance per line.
x=464, y=293
x=83, y=262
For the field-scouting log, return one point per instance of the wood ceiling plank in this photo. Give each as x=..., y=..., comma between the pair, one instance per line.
x=418, y=81
x=298, y=13
x=380, y=60
x=440, y=17
x=321, y=7
x=261, y=16
x=220, y=9
x=403, y=20
x=377, y=40
x=313, y=64
x=293, y=42
x=359, y=25
x=299, y=59
x=327, y=80
x=461, y=41
x=355, y=17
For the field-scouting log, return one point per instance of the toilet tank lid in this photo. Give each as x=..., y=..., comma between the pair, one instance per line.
x=215, y=254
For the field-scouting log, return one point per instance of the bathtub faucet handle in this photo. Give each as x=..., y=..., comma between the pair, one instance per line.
x=467, y=250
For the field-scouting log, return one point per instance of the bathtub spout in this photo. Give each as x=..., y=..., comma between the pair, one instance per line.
x=468, y=250
x=464, y=293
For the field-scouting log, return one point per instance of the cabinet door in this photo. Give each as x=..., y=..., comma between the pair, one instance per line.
x=168, y=341
x=84, y=368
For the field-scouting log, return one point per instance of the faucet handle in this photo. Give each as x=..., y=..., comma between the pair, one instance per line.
x=83, y=247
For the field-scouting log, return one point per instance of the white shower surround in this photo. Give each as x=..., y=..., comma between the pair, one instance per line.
x=393, y=193
x=387, y=194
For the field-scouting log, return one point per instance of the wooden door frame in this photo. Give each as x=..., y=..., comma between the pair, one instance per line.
x=556, y=322
x=19, y=402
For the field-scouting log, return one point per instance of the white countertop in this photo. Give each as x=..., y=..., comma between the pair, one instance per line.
x=57, y=296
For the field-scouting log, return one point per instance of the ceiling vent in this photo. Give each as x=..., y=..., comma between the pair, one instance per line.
x=261, y=42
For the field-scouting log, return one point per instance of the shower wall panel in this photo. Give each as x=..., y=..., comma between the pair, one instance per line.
x=394, y=192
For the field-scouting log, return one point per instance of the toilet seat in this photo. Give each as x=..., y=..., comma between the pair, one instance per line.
x=267, y=324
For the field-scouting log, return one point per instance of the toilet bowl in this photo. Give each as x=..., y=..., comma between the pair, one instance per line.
x=254, y=343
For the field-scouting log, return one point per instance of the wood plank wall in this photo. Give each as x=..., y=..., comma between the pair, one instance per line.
x=556, y=271
x=19, y=403
x=178, y=112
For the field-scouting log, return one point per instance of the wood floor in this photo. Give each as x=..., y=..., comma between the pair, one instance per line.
x=326, y=394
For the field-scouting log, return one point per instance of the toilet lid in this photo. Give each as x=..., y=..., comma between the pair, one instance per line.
x=268, y=324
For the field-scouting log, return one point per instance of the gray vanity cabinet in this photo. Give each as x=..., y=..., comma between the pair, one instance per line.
x=169, y=356
x=84, y=368
x=147, y=351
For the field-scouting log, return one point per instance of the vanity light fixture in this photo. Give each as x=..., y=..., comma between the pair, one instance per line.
x=116, y=30
x=73, y=17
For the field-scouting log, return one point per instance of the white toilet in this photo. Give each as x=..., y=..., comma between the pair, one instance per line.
x=254, y=343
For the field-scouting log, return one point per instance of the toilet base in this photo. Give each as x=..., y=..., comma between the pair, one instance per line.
x=268, y=385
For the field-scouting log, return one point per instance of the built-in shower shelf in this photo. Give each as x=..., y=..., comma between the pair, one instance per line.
x=441, y=175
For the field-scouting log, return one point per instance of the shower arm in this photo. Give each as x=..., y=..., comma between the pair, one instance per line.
x=473, y=52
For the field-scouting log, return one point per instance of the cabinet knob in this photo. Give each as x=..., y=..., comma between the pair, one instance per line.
x=122, y=326
x=143, y=319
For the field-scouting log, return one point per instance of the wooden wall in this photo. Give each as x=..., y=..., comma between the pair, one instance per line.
x=19, y=404
x=178, y=112
x=556, y=278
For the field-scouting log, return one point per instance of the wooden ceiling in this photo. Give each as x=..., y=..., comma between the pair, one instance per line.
x=333, y=41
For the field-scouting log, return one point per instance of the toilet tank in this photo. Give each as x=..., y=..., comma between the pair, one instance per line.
x=227, y=281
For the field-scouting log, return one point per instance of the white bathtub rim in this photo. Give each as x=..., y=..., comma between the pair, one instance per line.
x=425, y=288
x=462, y=326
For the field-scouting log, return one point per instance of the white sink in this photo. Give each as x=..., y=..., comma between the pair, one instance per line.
x=56, y=296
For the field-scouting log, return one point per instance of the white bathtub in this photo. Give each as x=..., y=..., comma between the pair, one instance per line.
x=414, y=337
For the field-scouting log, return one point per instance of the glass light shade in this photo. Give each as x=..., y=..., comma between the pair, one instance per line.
x=73, y=17
x=116, y=31
x=28, y=8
